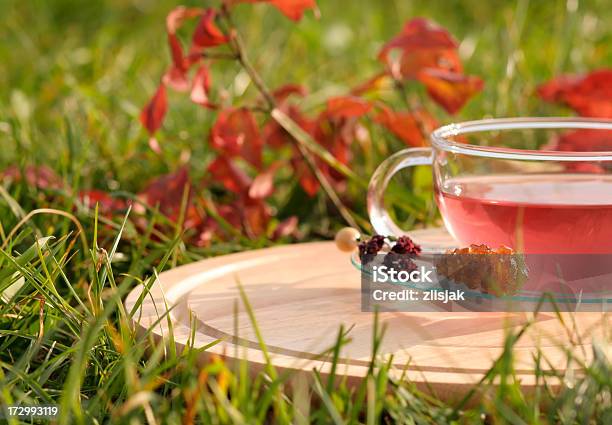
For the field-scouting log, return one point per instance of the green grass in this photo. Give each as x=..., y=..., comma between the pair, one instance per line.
x=60, y=346
x=73, y=77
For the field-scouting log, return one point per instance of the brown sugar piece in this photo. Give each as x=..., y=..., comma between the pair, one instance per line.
x=498, y=271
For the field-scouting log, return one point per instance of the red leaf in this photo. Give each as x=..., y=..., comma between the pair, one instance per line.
x=347, y=107
x=153, y=114
x=201, y=87
x=235, y=133
x=584, y=168
x=285, y=228
x=408, y=126
x=589, y=95
x=337, y=127
x=207, y=34
x=263, y=185
x=229, y=175
x=176, y=79
x=176, y=76
x=448, y=89
x=583, y=141
x=107, y=204
x=373, y=84
x=38, y=176
x=412, y=62
x=232, y=214
x=256, y=216
x=178, y=15
x=307, y=179
x=292, y=9
x=167, y=192
x=422, y=44
x=419, y=33
x=283, y=92
x=554, y=90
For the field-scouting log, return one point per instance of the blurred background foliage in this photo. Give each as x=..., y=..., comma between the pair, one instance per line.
x=74, y=75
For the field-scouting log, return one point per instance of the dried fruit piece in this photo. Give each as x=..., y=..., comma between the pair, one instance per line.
x=368, y=249
x=405, y=245
x=399, y=257
x=399, y=262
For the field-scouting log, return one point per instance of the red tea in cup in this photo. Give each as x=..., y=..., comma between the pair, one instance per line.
x=535, y=214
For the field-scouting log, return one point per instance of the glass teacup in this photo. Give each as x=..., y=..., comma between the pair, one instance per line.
x=537, y=185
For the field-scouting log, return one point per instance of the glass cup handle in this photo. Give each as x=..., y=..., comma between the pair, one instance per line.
x=382, y=223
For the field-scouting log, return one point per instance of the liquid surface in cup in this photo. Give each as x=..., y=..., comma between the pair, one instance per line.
x=540, y=213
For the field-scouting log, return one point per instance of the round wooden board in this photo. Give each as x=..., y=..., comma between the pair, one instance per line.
x=302, y=293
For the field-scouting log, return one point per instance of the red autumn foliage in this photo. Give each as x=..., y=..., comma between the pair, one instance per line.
x=308, y=181
x=255, y=216
x=448, y=89
x=263, y=184
x=107, y=204
x=336, y=128
x=282, y=93
x=292, y=9
x=248, y=210
x=235, y=133
x=419, y=33
x=421, y=44
x=589, y=95
x=224, y=171
x=427, y=53
x=411, y=127
x=584, y=168
x=234, y=179
x=38, y=176
x=443, y=59
x=374, y=83
x=177, y=79
x=274, y=135
x=207, y=33
x=285, y=228
x=583, y=140
x=347, y=107
x=176, y=76
x=153, y=114
x=200, y=87
x=167, y=191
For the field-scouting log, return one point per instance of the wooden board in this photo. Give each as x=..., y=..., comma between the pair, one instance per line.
x=302, y=293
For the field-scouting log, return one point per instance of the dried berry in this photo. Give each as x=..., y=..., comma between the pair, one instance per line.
x=369, y=248
x=378, y=241
x=499, y=272
x=399, y=262
x=405, y=245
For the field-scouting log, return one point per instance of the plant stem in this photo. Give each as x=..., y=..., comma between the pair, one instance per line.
x=219, y=55
x=241, y=55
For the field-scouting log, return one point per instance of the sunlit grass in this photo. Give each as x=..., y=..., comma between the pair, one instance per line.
x=72, y=342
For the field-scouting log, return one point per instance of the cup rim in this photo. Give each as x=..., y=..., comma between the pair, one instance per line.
x=440, y=138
